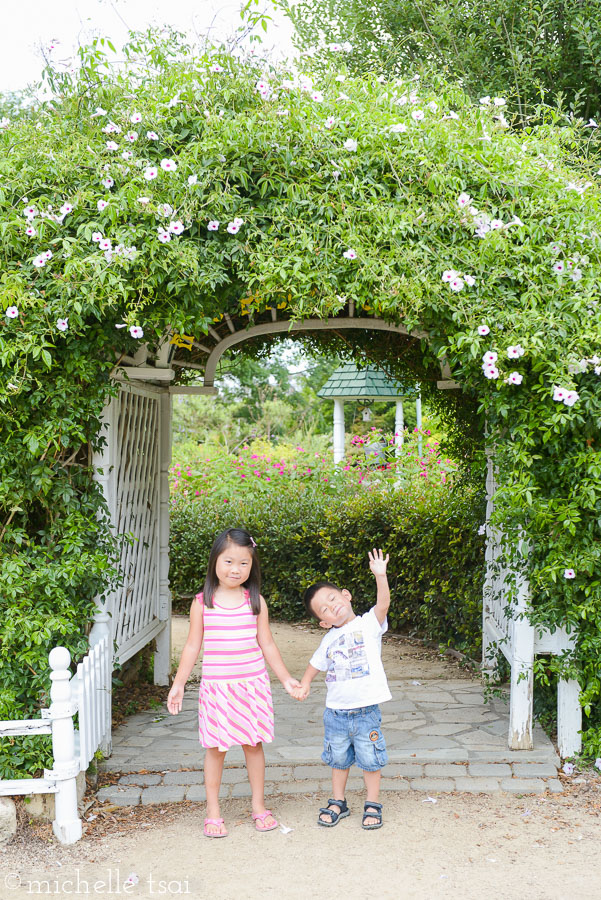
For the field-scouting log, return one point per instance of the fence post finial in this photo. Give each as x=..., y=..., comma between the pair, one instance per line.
x=67, y=824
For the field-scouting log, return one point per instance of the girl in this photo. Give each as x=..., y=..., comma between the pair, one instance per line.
x=235, y=695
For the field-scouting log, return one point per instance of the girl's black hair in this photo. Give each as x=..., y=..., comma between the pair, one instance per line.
x=252, y=584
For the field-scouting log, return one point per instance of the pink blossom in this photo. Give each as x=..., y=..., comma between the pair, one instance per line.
x=483, y=330
x=12, y=312
x=150, y=173
x=569, y=573
x=152, y=136
x=102, y=204
x=62, y=324
x=136, y=331
x=514, y=378
x=135, y=118
x=213, y=225
x=112, y=145
x=168, y=165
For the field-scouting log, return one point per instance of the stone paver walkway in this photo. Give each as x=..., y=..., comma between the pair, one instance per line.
x=441, y=736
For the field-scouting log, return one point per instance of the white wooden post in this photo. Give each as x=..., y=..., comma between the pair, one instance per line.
x=569, y=718
x=399, y=425
x=162, y=656
x=338, y=430
x=67, y=824
x=418, y=416
x=100, y=629
x=522, y=662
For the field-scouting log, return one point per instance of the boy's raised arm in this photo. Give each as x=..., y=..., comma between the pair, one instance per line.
x=378, y=563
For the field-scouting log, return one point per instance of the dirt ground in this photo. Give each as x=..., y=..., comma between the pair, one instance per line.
x=448, y=846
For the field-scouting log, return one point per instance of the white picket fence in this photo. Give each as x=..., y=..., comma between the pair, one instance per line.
x=87, y=693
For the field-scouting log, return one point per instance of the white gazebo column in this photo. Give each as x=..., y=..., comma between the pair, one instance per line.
x=418, y=416
x=399, y=425
x=338, y=430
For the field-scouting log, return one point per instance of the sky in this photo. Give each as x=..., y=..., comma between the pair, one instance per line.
x=32, y=23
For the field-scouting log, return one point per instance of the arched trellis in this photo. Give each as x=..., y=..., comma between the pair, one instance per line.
x=133, y=470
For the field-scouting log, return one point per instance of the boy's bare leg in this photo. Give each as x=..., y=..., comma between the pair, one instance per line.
x=339, y=779
x=372, y=785
x=213, y=770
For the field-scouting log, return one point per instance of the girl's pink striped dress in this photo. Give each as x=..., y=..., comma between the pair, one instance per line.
x=235, y=705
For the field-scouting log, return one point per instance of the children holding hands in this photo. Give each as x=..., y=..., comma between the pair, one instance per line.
x=351, y=656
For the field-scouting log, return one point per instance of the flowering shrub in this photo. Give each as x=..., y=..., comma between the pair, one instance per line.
x=234, y=192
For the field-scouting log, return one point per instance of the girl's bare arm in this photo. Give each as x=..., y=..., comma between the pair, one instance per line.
x=270, y=651
x=187, y=659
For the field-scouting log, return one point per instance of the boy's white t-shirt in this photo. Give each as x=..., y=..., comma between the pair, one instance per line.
x=351, y=656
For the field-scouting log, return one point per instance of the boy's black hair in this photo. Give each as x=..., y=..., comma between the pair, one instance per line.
x=310, y=593
x=252, y=584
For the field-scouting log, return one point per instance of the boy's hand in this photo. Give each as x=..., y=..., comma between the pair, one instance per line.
x=377, y=561
x=301, y=692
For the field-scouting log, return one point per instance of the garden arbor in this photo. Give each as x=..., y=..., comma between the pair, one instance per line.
x=152, y=219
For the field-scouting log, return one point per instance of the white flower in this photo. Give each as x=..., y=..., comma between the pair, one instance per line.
x=569, y=573
x=12, y=312
x=130, y=252
x=514, y=378
x=502, y=120
x=571, y=398
x=496, y=224
x=591, y=124
x=108, y=182
x=449, y=275
x=168, y=165
x=482, y=530
x=330, y=122
x=48, y=254
x=66, y=208
x=238, y=221
x=350, y=144
x=343, y=97
x=499, y=101
x=490, y=372
x=350, y=254
x=456, y=284
x=216, y=68
x=62, y=324
x=102, y=204
x=112, y=145
x=30, y=212
x=213, y=225
x=99, y=112
x=335, y=174
x=485, y=101
x=135, y=118
x=515, y=351
x=340, y=78
x=335, y=48
x=131, y=136
x=464, y=200
x=576, y=275
x=164, y=209
x=192, y=179
x=127, y=154
x=152, y=136
x=150, y=173
x=469, y=280
x=433, y=105
x=598, y=763
x=164, y=236
x=262, y=86
x=136, y=331
x=40, y=261
x=559, y=393
x=317, y=97
x=176, y=227
x=30, y=231
x=489, y=358
x=111, y=128
x=97, y=236
x=451, y=115
x=143, y=200
x=173, y=102
x=233, y=227
x=568, y=768
x=400, y=128
x=559, y=267
x=483, y=330
x=515, y=221
x=105, y=244
x=417, y=115
x=347, y=47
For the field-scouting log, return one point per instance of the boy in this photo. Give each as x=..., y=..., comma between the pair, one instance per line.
x=350, y=654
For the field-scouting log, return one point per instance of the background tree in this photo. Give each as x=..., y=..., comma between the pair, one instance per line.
x=545, y=48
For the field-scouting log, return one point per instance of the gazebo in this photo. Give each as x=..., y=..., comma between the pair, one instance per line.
x=348, y=382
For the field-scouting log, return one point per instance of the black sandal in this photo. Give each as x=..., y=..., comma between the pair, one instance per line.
x=334, y=816
x=368, y=814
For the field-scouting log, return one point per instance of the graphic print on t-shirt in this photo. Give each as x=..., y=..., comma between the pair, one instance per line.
x=348, y=657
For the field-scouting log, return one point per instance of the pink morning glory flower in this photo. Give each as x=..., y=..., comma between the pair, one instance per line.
x=102, y=204
x=213, y=225
x=62, y=324
x=168, y=165
x=233, y=227
x=515, y=351
x=489, y=358
x=164, y=236
x=469, y=280
x=105, y=244
x=135, y=118
x=350, y=254
x=150, y=173
x=449, y=274
x=136, y=331
x=464, y=200
x=29, y=212
x=571, y=398
x=569, y=573
x=456, y=284
x=112, y=145
x=176, y=227
x=483, y=330
x=97, y=236
x=350, y=144
x=40, y=261
x=108, y=182
x=490, y=371
x=152, y=136
x=515, y=378
x=66, y=208
x=30, y=231
x=417, y=115
x=12, y=312
x=131, y=136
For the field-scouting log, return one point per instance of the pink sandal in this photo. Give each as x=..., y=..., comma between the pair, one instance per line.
x=260, y=817
x=217, y=834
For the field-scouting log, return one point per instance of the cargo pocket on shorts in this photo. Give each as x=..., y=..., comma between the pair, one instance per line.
x=380, y=751
x=327, y=755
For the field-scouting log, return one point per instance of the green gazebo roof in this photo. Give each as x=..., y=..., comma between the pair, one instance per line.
x=369, y=383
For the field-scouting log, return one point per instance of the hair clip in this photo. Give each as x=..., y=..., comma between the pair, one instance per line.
x=252, y=540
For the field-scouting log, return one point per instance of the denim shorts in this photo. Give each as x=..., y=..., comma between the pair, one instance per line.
x=354, y=736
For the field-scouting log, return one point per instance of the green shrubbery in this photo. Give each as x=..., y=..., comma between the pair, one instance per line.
x=437, y=556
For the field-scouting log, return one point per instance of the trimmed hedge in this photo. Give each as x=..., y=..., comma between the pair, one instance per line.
x=436, y=555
